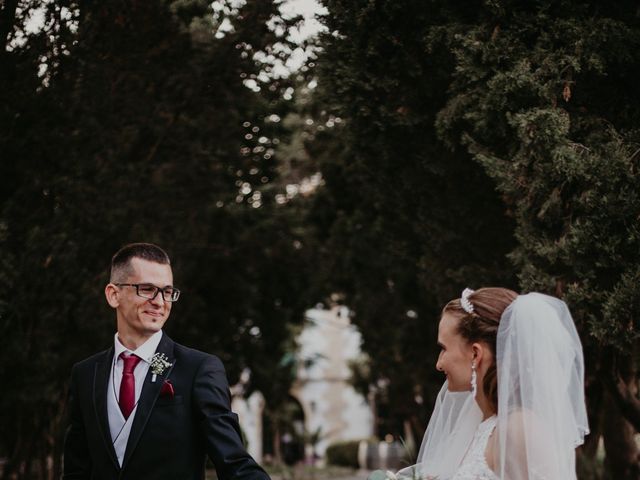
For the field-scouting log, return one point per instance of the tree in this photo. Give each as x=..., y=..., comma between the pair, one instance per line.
x=443, y=102
x=405, y=223
x=129, y=121
x=540, y=98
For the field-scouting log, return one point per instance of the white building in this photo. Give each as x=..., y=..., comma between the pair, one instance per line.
x=326, y=346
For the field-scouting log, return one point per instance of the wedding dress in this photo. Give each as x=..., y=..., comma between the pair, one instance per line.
x=474, y=465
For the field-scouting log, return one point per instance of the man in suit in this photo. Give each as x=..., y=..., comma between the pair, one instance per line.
x=150, y=408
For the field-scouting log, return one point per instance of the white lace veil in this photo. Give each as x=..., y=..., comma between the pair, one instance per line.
x=542, y=416
x=541, y=409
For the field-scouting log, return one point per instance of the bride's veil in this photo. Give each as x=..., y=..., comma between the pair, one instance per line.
x=455, y=418
x=541, y=409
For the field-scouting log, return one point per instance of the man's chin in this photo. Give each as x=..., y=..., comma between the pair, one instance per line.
x=154, y=324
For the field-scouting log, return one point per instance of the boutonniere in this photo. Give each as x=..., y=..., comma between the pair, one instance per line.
x=159, y=363
x=167, y=390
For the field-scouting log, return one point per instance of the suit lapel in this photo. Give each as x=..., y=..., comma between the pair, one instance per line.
x=100, y=385
x=148, y=397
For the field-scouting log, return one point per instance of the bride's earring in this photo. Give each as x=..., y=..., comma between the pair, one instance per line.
x=474, y=379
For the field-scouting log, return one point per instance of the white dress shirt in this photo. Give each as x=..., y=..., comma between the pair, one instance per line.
x=118, y=426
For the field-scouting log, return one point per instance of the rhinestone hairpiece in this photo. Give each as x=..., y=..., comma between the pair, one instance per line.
x=467, y=306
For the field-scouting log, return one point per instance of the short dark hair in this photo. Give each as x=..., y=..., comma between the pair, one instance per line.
x=121, y=261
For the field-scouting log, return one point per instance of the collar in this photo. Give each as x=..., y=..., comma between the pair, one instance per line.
x=144, y=351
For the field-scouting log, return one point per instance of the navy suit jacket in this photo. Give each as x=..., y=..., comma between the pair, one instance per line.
x=170, y=437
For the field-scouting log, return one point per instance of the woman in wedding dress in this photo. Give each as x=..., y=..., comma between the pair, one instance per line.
x=512, y=406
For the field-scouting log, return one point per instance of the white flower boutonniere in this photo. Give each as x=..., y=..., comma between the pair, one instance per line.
x=159, y=363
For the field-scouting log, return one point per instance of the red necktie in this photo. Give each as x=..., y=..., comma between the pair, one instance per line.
x=127, y=399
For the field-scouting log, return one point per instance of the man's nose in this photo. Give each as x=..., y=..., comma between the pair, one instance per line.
x=158, y=299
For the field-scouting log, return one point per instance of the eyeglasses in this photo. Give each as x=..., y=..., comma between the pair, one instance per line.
x=147, y=290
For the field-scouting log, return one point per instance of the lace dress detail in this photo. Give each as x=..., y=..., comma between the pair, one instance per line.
x=474, y=466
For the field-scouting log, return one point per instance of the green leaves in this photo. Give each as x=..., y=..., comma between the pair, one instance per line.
x=472, y=132
x=408, y=220
x=146, y=132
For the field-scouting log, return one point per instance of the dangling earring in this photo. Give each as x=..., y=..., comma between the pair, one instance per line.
x=474, y=379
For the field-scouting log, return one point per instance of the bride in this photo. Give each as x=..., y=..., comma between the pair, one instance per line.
x=512, y=406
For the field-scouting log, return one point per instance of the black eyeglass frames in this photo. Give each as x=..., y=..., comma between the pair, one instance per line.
x=147, y=290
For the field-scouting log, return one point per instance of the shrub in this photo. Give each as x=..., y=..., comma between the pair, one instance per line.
x=344, y=454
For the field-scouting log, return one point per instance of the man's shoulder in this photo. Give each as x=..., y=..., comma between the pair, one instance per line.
x=196, y=357
x=90, y=362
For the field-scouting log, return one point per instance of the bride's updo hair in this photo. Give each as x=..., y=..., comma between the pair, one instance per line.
x=482, y=326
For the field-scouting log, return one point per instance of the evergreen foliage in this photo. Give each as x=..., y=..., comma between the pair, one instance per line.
x=542, y=98
x=460, y=144
x=405, y=222
x=443, y=102
x=132, y=121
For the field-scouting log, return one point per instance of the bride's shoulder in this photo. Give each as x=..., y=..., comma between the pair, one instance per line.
x=491, y=451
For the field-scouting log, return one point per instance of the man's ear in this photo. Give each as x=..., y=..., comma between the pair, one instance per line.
x=111, y=292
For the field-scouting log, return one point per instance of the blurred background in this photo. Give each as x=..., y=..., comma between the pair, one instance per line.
x=325, y=176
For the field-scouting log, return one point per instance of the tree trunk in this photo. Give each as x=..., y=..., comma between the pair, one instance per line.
x=277, y=452
x=587, y=462
x=595, y=393
x=12, y=465
x=622, y=461
x=622, y=383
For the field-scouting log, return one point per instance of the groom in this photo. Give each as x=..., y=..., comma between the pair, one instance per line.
x=150, y=408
